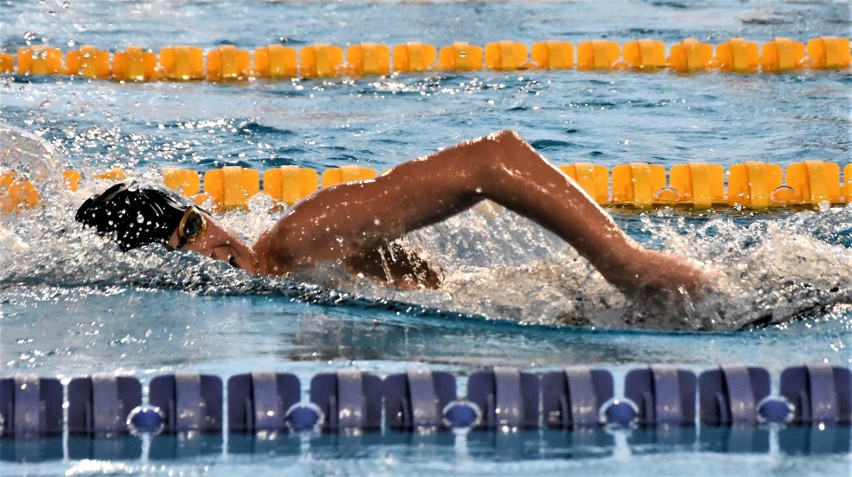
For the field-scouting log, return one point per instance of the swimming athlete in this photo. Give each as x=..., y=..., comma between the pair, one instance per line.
x=357, y=223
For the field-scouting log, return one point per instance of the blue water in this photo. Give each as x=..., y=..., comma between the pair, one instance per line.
x=71, y=305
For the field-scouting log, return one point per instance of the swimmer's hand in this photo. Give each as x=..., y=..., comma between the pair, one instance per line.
x=648, y=270
x=665, y=285
x=670, y=272
x=397, y=266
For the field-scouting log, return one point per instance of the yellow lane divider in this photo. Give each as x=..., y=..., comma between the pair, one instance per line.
x=17, y=193
x=752, y=185
x=228, y=63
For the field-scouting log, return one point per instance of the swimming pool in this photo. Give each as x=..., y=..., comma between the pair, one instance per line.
x=71, y=306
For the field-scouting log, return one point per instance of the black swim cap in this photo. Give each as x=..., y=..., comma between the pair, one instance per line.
x=133, y=215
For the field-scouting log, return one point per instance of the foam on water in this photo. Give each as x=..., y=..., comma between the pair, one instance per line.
x=770, y=271
x=771, y=268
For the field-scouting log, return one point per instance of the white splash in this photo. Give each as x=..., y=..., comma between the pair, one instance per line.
x=771, y=267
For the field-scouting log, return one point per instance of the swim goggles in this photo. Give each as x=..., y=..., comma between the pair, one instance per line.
x=192, y=224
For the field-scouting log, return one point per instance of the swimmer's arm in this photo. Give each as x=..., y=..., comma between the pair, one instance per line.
x=350, y=219
x=393, y=264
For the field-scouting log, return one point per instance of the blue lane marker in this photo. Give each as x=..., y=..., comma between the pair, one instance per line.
x=738, y=385
x=259, y=401
x=107, y=412
x=100, y=405
x=507, y=403
x=27, y=403
x=424, y=402
x=573, y=396
x=819, y=393
x=267, y=412
x=190, y=401
x=504, y=399
x=667, y=406
x=584, y=404
x=663, y=394
x=350, y=398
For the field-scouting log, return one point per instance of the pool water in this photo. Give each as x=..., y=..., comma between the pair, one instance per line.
x=72, y=305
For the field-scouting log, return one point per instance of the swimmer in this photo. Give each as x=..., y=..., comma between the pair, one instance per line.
x=357, y=223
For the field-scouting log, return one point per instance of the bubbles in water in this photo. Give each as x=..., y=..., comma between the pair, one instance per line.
x=564, y=291
x=771, y=267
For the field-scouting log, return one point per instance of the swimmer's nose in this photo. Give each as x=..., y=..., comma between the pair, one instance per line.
x=223, y=257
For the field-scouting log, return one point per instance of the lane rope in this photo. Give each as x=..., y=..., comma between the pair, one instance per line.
x=322, y=60
x=752, y=185
x=497, y=399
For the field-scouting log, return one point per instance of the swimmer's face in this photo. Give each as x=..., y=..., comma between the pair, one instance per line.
x=199, y=233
